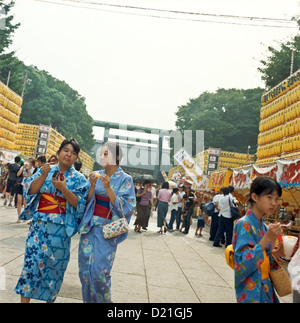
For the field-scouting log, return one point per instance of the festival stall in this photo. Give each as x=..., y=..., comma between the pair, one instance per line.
x=287, y=173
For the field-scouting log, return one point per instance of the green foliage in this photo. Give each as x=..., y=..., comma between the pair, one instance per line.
x=229, y=118
x=53, y=102
x=46, y=100
x=277, y=66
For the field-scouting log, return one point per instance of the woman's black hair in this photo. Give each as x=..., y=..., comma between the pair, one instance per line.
x=146, y=182
x=71, y=141
x=264, y=185
x=225, y=191
x=165, y=185
x=116, y=150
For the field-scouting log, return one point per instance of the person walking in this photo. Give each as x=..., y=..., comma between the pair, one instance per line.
x=225, y=220
x=188, y=207
x=253, y=244
x=12, y=181
x=164, y=197
x=56, y=204
x=181, y=194
x=215, y=216
x=144, y=196
x=173, y=207
x=111, y=194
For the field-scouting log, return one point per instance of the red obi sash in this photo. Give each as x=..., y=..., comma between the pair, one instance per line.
x=50, y=203
x=102, y=207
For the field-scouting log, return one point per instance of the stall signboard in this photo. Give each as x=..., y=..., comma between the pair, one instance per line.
x=42, y=141
x=213, y=159
x=190, y=166
x=220, y=179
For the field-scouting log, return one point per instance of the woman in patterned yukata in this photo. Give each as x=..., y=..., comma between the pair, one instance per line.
x=108, y=188
x=56, y=206
x=253, y=244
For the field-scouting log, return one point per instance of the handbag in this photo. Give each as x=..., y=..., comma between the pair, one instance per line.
x=115, y=228
x=234, y=210
x=280, y=280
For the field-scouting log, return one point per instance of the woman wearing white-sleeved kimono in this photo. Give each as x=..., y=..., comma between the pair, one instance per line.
x=108, y=188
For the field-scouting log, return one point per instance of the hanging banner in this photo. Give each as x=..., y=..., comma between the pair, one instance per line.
x=220, y=179
x=265, y=171
x=241, y=178
x=289, y=173
x=190, y=166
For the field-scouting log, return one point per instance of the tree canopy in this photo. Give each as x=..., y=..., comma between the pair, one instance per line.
x=229, y=118
x=46, y=100
x=277, y=65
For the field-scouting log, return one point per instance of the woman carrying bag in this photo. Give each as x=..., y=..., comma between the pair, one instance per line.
x=253, y=244
x=111, y=196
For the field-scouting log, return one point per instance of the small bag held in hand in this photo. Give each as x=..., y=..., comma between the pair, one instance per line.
x=115, y=228
x=280, y=281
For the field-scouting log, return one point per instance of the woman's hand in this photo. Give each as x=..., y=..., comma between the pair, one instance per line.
x=46, y=169
x=106, y=181
x=93, y=179
x=274, y=230
x=59, y=184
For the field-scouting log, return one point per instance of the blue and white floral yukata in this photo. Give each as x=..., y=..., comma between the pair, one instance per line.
x=96, y=254
x=47, y=250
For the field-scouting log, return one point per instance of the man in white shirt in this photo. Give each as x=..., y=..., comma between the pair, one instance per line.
x=215, y=216
x=226, y=221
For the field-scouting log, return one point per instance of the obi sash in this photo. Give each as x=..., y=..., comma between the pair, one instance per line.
x=50, y=203
x=102, y=208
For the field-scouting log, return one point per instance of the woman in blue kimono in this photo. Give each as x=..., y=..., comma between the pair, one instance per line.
x=56, y=206
x=108, y=189
x=252, y=244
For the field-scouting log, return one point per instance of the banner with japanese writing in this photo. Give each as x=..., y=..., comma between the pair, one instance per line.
x=190, y=166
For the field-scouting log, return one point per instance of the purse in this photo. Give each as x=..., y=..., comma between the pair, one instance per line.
x=280, y=280
x=234, y=210
x=115, y=228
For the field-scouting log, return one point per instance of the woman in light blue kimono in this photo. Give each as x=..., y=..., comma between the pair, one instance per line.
x=108, y=189
x=252, y=244
x=56, y=206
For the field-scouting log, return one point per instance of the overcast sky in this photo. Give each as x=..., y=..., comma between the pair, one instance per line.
x=135, y=68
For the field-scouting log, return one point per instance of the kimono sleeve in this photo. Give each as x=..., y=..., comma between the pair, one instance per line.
x=125, y=196
x=74, y=215
x=31, y=200
x=248, y=255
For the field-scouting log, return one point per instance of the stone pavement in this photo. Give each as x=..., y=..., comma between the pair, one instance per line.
x=149, y=267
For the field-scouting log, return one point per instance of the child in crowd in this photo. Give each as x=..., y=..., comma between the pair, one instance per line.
x=200, y=223
x=173, y=207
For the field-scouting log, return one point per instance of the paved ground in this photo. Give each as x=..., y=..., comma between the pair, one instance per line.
x=149, y=267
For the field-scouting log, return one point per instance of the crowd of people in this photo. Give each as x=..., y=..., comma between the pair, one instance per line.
x=183, y=204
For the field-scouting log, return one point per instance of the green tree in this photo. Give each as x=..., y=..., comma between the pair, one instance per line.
x=7, y=59
x=229, y=118
x=277, y=65
x=53, y=102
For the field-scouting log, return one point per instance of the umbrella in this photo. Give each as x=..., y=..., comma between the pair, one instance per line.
x=142, y=178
